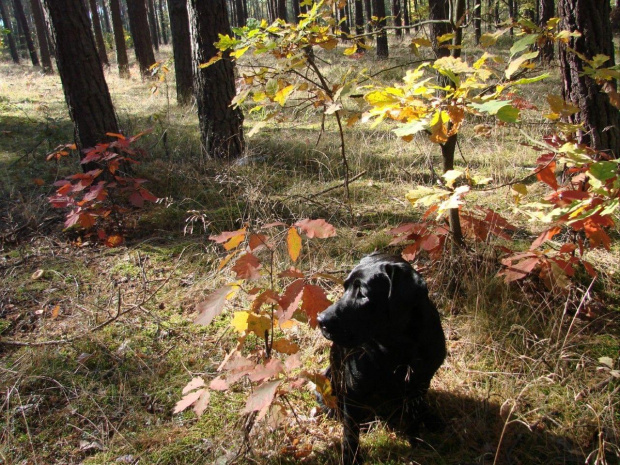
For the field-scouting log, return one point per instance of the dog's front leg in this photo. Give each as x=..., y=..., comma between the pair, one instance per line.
x=352, y=416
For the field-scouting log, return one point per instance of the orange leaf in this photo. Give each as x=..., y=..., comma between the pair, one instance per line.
x=257, y=240
x=545, y=236
x=290, y=299
x=55, y=312
x=316, y=228
x=547, y=175
x=114, y=240
x=231, y=238
x=293, y=242
x=38, y=181
x=266, y=297
x=314, y=302
x=598, y=237
x=285, y=346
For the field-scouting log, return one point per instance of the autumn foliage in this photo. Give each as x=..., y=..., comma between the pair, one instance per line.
x=99, y=198
x=279, y=301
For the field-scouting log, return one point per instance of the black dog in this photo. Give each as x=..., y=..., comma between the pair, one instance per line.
x=387, y=345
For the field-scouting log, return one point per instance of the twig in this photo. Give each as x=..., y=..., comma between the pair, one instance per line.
x=342, y=184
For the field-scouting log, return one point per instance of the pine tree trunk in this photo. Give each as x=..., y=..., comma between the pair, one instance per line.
x=241, y=18
x=163, y=26
x=221, y=126
x=119, y=39
x=21, y=20
x=182, y=48
x=106, y=19
x=153, y=24
x=282, y=14
x=601, y=119
x=477, y=20
x=359, y=21
x=10, y=36
x=378, y=8
x=398, y=19
x=41, y=27
x=368, y=10
x=546, y=11
x=139, y=26
x=406, y=15
x=103, y=54
x=439, y=10
x=83, y=82
x=296, y=11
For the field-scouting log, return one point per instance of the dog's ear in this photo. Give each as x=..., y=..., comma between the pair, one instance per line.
x=407, y=291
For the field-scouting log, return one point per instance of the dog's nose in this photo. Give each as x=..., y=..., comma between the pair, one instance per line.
x=321, y=319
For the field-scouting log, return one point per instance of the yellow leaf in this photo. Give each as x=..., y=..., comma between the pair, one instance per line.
x=239, y=53
x=240, y=321
x=258, y=324
x=351, y=50
x=329, y=44
x=450, y=176
x=293, y=242
x=283, y=94
x=213, y=59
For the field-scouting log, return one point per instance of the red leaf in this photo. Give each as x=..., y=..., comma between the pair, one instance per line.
x=262, y=397
x=598, y=237
x=545, y=236
x=410, y=252
x=547, y=175
x=314, y=302
x=247, y=266
x=256, y=241
x=136, y=199
x=316, y=228
x=212, y=306
x=266, y=297
x=148, y=196
x=292, y=272
x=289, y=302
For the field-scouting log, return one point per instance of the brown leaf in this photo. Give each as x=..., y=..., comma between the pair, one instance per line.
x=193, y=384
x=55, y=312
x=547, y=175
x=231, y=239
x=114, y=241
x=292, y=272
x=247, y=266
x=262, y=397
x=316, y=228
x=201, y=404
x=266, y=297
x=256, y=241
x=285, y=346
x=544, y=236
x=289, y=302
x=314, y=302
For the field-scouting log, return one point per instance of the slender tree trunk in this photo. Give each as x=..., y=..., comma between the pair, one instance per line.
x=296, y=11
x=41, y=27
x=344, y=26
x=241, y=17
x=378, y=8
x=106, y=19
x=103, y=54
x=359, y=21
x=282, y=14
x=600, y=118
x=163, y=24
x=368, y=10
x=83, y=82
x=21, y=20
x=221, y=126
x=398, y=19
x=477, y=20
x=119, y=39
x=182, y=48
x=152, y=24
x=406, y=15
x=439, y=10
x=545, y=13
x=139, y=26
x=10, y=37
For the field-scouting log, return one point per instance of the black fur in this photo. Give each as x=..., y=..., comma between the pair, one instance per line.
x=387, y=345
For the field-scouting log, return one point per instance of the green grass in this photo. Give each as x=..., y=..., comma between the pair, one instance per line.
x=519, y=362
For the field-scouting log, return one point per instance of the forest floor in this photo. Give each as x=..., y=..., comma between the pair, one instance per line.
x=522, y=383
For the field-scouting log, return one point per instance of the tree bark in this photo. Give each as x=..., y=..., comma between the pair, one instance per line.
x=600, y=118
x=139, y=26
x=103, y=54
x=296, y=10
x=546, y=11
x=398, y=19
x=10, y=36
x=163, y=26
x=241, y=17
x=439, y=10
x=221, y=126
x=41, y=27
x=378, y=8
x=119, y=39
x=152, y=24
x=81, y=73
x=106, y=20
x=182, y=49
x=477, y=20
x=359, y=21
x=23, y=22
x=368, y=10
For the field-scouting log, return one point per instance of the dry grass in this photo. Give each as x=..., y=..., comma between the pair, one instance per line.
x=522, y=383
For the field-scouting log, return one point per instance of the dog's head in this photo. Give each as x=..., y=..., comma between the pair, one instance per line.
x=379, y=302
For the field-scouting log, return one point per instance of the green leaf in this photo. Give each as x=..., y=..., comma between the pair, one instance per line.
x=516, y=64
x=411, y=128
x=604, y=170
x=491, y=107
x=523, y=44
x=508, y=114
x=524, y=81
